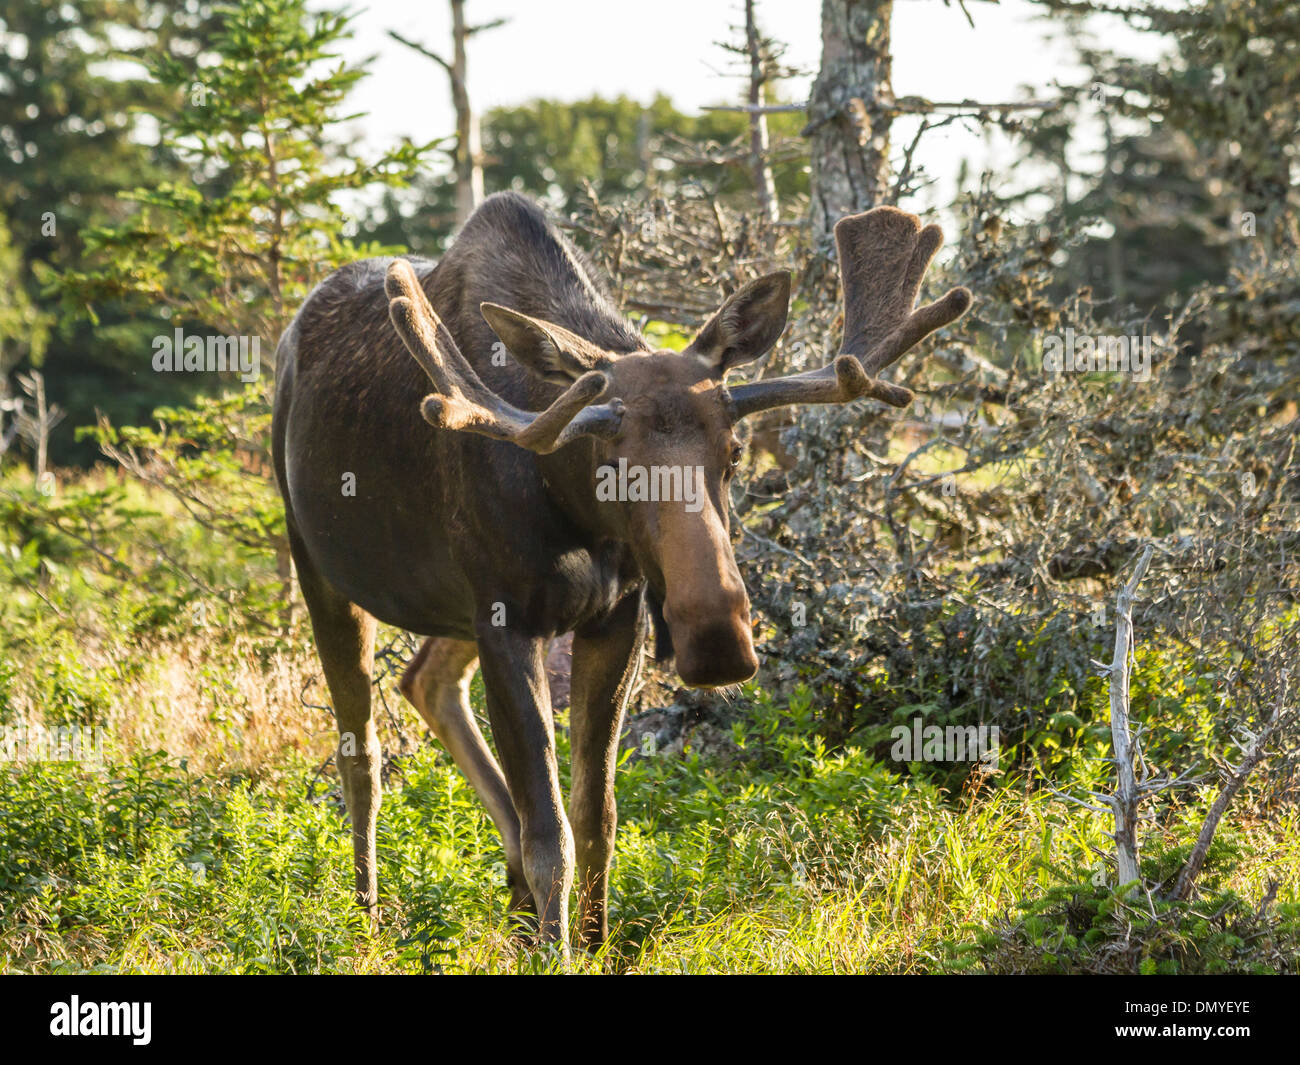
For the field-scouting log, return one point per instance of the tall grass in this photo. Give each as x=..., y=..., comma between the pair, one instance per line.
x=213, y=839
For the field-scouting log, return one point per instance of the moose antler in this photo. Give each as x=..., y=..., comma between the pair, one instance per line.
x=884, y=254
x=463, y=402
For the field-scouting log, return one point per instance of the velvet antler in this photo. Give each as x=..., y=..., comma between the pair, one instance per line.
x=462, y=401
x=884, y=254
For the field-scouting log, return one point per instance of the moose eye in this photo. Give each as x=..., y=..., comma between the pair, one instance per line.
x=737, y=453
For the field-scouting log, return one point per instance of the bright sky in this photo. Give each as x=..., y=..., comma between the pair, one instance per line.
x=569, y=49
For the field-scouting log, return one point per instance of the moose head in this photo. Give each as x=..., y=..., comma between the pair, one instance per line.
x=662, y=424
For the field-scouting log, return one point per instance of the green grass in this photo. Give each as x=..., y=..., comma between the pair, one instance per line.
x=790, y=860
x=213, y=838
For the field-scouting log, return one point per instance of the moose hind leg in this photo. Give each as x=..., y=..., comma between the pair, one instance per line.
x=345, y=642
x=436, y=683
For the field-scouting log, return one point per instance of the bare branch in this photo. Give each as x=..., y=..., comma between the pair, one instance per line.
x=483, y=26
x=1236, y=779
x=428, y=53
x=1127, y=794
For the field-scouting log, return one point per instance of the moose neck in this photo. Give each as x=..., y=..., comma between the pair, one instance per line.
x=570, y=479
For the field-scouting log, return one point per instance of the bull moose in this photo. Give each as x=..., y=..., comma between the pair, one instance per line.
x=472, y=516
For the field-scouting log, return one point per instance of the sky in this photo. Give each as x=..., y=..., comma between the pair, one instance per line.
x=570, y=49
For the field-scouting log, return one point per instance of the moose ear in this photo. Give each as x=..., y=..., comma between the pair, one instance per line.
x=551, y=352
x=747, y=325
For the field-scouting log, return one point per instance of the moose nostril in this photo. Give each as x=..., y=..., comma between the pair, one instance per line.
x=716, y=653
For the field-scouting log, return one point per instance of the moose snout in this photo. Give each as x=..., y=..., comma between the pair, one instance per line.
x=712, y=651
x=705, y=605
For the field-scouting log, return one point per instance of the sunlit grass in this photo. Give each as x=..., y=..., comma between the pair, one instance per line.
x=229, y=853
x=154, y=868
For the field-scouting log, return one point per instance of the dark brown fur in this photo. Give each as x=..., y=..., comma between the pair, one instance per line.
x=484, y=531
x=450, y=532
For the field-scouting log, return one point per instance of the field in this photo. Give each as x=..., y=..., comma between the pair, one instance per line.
x=211, y=837
x=991, y=375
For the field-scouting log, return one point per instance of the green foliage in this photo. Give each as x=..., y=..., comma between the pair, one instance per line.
x=236, y=245
x=213, y=457
x=72, y=144
x=1233, y=86
x=239, y=242
x=796, y=846
x=66, y=115
x=780, y=856
x=137, y=564
x=552, y=148
x=136, y=853
x=617, y=147
x=144, y=864
x=24, y=328
x=1077, y=927
x=1200, y=149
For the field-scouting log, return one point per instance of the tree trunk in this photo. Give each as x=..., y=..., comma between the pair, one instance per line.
x=764, y=184
x=1128, y=793
x=469, y=148
x=849, y=114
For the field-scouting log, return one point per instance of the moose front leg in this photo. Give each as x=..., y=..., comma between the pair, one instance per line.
x=519, y=709
x=606, y=661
